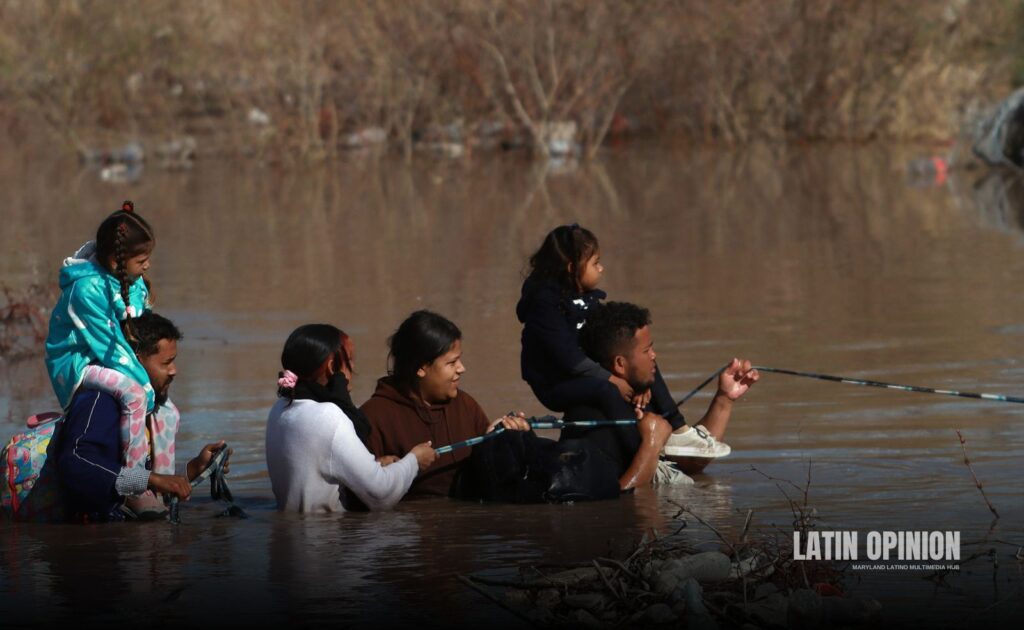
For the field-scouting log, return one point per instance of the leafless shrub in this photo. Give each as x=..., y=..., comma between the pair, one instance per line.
x=733, y=72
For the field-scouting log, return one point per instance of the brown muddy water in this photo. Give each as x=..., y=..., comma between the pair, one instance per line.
x=823, y=260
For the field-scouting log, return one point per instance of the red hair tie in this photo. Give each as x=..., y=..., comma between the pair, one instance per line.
x=128, y=206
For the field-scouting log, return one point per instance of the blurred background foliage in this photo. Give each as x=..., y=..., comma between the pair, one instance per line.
x=299, y=76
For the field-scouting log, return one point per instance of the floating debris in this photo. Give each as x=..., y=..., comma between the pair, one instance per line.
x=257, y=117
x=371, y=136
x=560, y=138
x=177, y=153
x=130, y=153
x=121, y=173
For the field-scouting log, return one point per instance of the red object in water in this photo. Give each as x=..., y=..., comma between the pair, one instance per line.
x=941, y=170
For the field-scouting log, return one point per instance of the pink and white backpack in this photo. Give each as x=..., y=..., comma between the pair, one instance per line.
x=30, y=490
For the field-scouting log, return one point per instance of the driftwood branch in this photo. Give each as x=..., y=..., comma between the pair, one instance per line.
x=686, y=509
x=967, y=462
x=607, y=582
x=497, y=600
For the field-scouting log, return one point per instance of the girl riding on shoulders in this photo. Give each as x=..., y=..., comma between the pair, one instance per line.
x=89, y=344
x=558, y=294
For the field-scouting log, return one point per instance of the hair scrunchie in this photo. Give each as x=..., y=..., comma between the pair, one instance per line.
x=287, y=379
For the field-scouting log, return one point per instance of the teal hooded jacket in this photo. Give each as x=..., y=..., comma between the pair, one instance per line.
x=85, y=326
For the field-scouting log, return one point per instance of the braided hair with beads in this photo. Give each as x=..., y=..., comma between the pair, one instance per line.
x=123, y=235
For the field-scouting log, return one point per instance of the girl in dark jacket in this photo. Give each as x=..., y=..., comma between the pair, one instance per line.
x=557, y=295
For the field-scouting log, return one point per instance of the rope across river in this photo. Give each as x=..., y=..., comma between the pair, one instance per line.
x=542, y=422
x=862, y=382
x=219, y=488
x=551, y=422
x=904, y=388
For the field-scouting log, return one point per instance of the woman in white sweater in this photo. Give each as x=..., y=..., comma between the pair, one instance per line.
x=315, y=435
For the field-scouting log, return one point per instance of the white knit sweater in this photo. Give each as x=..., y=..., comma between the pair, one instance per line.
x=312, y=449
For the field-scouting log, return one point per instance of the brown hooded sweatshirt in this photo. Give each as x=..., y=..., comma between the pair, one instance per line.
x=399, y=422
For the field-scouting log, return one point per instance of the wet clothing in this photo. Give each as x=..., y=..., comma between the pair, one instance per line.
x=313, y=452
x=554, y=365
x=520, y=467
x=85, y=326
x=618, y=444
x=93, y=482
x=336, y=392
x=139, y=440
x=398, y=422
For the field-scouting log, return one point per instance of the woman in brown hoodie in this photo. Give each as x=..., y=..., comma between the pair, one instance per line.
x=420, y=401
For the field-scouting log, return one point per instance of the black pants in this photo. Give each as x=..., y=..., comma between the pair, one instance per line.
x=604, y=394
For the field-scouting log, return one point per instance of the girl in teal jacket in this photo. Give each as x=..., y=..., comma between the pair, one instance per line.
x=89, y=341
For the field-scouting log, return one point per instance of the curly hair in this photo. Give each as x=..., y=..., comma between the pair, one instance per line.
x=150, y=328
x=610, y=330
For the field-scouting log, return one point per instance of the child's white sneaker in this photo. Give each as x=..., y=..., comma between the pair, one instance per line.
x=696, y=442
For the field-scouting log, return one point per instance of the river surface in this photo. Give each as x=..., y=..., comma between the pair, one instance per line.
x=812, y=259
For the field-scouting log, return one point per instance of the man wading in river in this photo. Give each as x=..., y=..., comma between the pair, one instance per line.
x=618, y=336
x=94, y=485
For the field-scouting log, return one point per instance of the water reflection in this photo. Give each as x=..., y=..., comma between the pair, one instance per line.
x=997, y=195
x=816, y=259
x=303, y=554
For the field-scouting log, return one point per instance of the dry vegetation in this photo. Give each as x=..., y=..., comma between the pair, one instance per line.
x=474, y=70
x=752, y=581
x=23, y=320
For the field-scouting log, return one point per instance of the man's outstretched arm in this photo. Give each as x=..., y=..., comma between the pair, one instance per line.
x=733, y=382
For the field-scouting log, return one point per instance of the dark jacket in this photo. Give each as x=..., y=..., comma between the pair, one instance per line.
x=399, y=422
x=551, y=321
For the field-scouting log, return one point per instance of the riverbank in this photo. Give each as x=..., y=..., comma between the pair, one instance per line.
x=313, y=80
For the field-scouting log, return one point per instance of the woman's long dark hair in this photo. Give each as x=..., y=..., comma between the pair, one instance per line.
x=562, y=255
x=305, y=351
x=123, y=235
x=420, y=339
x=308, y=347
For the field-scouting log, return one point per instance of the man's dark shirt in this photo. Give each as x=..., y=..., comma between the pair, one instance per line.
x=619, y=443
